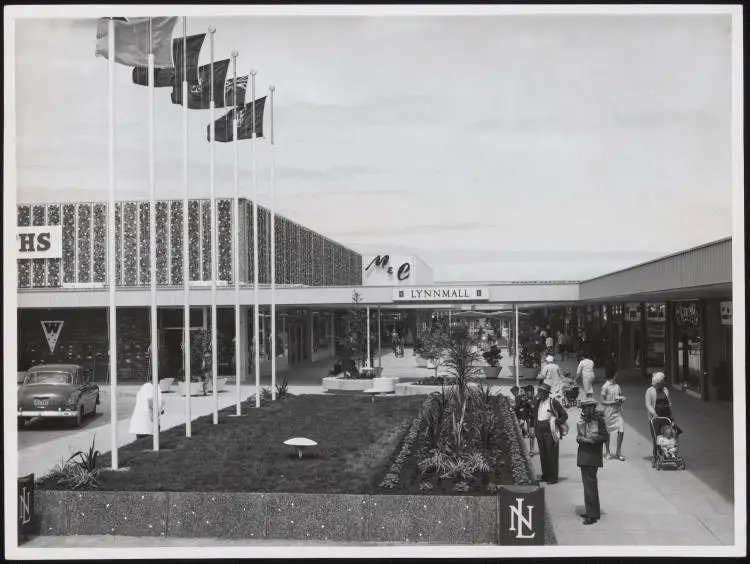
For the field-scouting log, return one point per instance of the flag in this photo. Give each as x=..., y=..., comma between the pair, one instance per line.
x=241, y=91
x=223, y=125
x=173, y=75
x=132, y=41
x=199, y=93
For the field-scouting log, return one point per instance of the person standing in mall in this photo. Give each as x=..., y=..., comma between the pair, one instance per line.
x=586, y=373
x=142, y=418
x=611, y=399
x=545, y=408
x=592, y=432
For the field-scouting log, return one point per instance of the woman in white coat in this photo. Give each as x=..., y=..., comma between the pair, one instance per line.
x=142, y=420
x=586, y=375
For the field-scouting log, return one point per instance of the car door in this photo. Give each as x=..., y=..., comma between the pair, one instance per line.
x=88, y=390
x=80, y=384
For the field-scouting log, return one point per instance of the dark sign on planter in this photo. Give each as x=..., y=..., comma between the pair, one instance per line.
x=26, y=519
x=521, y=515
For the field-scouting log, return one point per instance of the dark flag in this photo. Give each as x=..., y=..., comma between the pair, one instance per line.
x=199, y=92
x=223, y=125
x=173, y=75
x=241, y=91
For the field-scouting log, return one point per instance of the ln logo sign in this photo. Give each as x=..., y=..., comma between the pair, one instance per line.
x=519, y=522
x=382, y=262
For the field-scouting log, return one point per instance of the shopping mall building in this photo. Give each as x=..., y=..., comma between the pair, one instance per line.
x=672, y=314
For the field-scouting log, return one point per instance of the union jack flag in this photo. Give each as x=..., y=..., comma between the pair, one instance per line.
x=241, y=92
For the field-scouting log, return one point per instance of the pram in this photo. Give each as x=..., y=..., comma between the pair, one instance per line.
x=658, y=459
x=570, y=391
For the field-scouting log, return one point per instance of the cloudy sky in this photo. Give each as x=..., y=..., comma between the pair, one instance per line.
x=493, y=147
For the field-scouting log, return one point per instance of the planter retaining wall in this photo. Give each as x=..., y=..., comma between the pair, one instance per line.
x=354, y=518
x=348, y=384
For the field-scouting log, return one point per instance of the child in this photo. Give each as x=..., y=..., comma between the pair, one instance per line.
x=667, y=442
x=519, y=408
x=528, y=400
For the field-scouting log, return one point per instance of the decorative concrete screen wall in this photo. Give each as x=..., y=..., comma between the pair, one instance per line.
x=302, y=256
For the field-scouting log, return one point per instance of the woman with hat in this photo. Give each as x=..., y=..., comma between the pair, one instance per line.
x=550, y=374
x=545, y=408
x=592, y=433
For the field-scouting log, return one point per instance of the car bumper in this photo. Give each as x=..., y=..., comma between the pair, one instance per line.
x=70, y=413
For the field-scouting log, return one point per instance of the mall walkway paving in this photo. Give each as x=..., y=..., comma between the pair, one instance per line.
x=644, y=506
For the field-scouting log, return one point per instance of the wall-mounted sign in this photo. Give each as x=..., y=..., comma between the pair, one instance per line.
x=686, y=314
x=52, y=331
x=726, y=313
x=441, y=294
x=39, y=242
x=656, y=312
x=387, y=270
x=633, y=312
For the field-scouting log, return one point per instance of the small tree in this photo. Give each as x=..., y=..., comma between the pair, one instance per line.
x=354, y=341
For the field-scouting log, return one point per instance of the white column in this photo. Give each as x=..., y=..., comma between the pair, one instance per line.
x=515, y=307
x=367, y=361
x=111, y=250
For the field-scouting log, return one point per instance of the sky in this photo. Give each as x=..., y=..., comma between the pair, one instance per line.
x=494, y=148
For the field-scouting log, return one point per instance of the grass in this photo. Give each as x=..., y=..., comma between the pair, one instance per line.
x=356, y=438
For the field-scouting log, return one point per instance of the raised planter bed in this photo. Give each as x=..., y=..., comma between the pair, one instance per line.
x=348, y=384
x=413, y=389
x=332, y=517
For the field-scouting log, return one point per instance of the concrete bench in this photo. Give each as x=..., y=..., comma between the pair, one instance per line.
x=382, y=386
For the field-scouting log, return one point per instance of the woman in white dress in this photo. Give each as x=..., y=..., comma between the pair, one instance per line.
x=142, y=419
x=611, y=399
x=586, y=374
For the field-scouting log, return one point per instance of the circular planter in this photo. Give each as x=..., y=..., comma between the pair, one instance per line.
x=412, y=389
x=351, y=385
x=491, y=371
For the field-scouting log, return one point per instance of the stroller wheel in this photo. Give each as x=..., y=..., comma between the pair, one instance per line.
x=658, y=464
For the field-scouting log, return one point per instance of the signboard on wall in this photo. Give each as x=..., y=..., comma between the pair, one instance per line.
x=686, y=314
x=633, y=312
x=726, y=313
x=656, y=312
x=39, y=242
x=441, y=294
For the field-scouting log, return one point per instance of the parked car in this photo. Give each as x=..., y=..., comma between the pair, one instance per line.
x=57, y=391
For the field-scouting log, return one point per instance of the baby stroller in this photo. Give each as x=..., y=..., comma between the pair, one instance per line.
x=659, y=459
x=570, y=391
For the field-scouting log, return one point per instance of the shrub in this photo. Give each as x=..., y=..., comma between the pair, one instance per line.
x=86, y=460
x=282, y=389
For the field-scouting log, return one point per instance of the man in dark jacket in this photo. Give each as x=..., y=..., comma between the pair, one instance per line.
x=592, y=432
x=545, y=408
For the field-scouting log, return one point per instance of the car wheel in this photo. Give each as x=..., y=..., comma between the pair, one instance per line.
x=93, y=409
x=22, y=421
x=79, y=418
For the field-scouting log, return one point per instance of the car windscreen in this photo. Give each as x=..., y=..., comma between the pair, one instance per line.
x=51, y=377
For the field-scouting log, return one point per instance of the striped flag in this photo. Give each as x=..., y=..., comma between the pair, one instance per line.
x=133, y=41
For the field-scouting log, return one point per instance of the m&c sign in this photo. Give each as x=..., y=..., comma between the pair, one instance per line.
x=39, y=242
x=386, y=270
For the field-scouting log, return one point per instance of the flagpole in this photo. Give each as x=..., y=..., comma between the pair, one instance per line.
x=186, y=238
x=367, y=362
x=256, y=329
x=214, y=238
x=152, y=246
x=515, y=306
x=238, y=344
x=273, y=251
x=111, y=275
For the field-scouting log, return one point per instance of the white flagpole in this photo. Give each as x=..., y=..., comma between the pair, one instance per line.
x=515, y=306
x=256, y=328
x=238, y=344
x=185, y=236
x=273, y=251
x=214, y=237
x=111, y=275
x=380, y=348
x=367, y=361
x=152, y=245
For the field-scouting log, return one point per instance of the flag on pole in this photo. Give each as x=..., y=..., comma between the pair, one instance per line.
x=132, y=41
x=241, y=91
x=199, y=92
x=223, y=125
x=173, y=76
